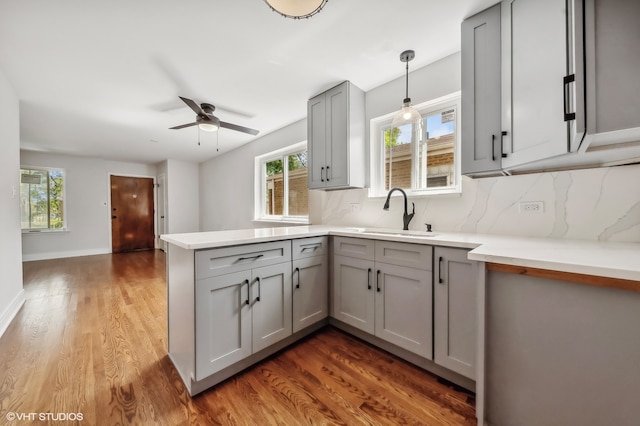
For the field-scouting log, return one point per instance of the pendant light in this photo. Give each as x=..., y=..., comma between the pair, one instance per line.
x=408, y=114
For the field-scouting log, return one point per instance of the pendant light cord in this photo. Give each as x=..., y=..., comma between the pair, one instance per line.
x=407, y=83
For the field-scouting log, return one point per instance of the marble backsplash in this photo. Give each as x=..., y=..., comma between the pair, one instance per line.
x=593, y=204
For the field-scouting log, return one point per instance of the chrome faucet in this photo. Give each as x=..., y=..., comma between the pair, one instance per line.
x=406, y=217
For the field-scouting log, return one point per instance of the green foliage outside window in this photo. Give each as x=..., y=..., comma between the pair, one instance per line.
x=41, y=199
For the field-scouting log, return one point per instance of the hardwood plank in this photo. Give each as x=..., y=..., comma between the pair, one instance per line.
x=92, y=338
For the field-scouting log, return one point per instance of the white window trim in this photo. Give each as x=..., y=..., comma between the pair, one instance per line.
x=65, y=227
x=259, y=172
x=376, y=189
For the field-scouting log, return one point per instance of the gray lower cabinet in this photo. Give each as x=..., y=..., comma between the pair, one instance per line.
x=223, y=322
x=455, y=310
x=240, y=313
x=403, y=307
x=384, y=289
x=310, y=281
x=271, y=307
x=353, y=294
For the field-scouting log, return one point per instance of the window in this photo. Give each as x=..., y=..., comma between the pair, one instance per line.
x=41, y=199
x=423, y=159
x=281, y=185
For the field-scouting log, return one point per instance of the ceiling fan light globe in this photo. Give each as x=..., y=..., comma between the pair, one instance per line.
x=208, y=127
x=296, y=9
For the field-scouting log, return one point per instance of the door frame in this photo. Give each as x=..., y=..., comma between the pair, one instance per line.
x=160, y=243
x=155, y=206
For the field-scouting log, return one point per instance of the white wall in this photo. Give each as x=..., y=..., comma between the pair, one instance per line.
x=87, y=204
x=227, y=182
x=11, y=292
x=183, y=183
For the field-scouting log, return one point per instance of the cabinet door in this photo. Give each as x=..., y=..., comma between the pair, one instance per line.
x=534, y=53
x=223, y=322
x=271, y=304
x=481, y=93
x=310, y=291
x=353, y=292
x=316, y=140
x=613, y=86
x=403, y=314
x=337, y=128
x=455, y=300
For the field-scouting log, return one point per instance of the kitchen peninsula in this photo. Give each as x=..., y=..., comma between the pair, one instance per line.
x=550, y=315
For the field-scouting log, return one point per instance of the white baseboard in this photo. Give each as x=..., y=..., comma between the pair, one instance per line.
x=12, y=310
x=63, y=254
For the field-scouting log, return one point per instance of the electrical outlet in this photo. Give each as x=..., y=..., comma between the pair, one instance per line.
x=530, y=207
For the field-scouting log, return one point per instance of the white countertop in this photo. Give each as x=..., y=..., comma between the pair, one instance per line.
x=607, y=259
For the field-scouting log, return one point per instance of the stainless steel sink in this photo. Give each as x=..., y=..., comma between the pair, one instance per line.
x=395, y=233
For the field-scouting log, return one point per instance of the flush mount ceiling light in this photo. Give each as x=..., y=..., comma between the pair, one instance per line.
x=406, y=115
x=296, y=9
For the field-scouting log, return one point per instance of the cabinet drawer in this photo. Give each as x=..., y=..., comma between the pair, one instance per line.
x=360, y=248
x=214, y=262
x=309, y=247
x=404, y=254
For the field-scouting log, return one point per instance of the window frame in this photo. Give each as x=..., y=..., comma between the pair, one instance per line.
x=377, y=158
x=64, y=227
x=260, y=184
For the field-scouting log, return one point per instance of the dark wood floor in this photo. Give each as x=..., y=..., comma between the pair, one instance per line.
x=91, y=339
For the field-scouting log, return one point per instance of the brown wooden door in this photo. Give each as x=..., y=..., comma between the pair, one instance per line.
x=131, y=214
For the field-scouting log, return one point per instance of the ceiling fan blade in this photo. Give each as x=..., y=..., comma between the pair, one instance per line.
x=183, y=126
x=194, y=106
x=239, y=128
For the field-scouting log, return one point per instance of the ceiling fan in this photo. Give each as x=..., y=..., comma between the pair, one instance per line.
x=207, y=121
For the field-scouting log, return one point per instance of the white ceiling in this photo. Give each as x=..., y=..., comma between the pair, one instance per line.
x=102, y=78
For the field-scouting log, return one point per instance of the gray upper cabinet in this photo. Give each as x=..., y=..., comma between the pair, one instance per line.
x=515, y=101
x=612, y=36
x=536, y=59
x=335, y=138
x=481, y=93
x=569, y=95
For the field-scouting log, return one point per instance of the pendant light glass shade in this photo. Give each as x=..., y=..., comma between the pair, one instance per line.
x=296, y=9
x=407, y=115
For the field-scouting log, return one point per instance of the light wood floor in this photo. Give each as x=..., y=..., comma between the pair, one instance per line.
x=91, y=339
